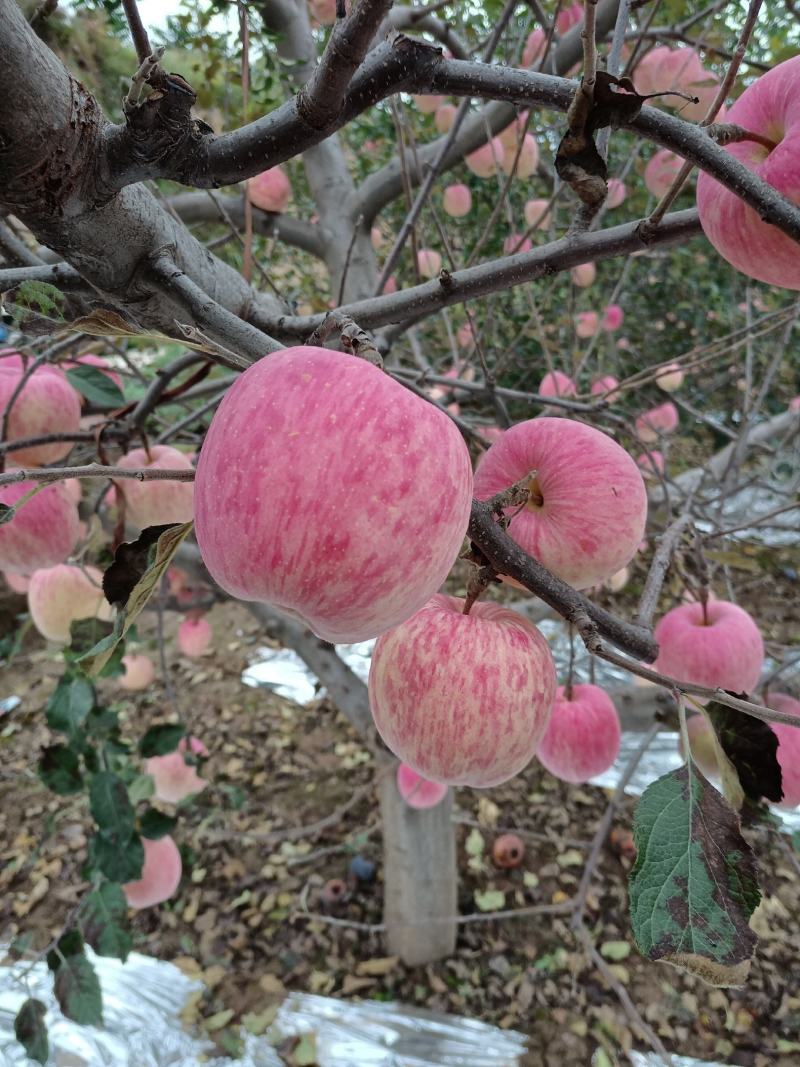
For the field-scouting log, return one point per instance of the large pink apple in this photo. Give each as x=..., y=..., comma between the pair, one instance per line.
x=429, y=262
x=661, y=171
x=457, y=201
x=42, y=533
x=588, y=506
x=583, y=275
x=444, y=117
x=271, y=190
x=194, y=637
x=723, y=650
x=173, y=777
x=327, y=489
x=140, y=672
x=587, y=323
x=770, y=107
x=417, y=791
x=607, y=387
x=47, y=404
x=60, y=595
x=528, y=159
x=788, y=747
x=659, y=420
x=154, y=503
x=556, y=383
x=161, y=874
x=583, y=736
x=462, y=699
x=484, y=161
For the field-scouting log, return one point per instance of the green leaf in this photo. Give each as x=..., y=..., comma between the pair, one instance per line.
x=141, y=788
x=69, y=944
x=96, y=386
x=118, y=861
x=59, y=769
x=130, y=581
x=104, y=921
x=694, y=885
x=71, y=702
x=110, y=806
x=30, y=1030
x=161, y=739
x=154, y=824
x=77, y=990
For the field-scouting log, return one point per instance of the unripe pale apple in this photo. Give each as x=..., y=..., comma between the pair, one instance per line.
x=17, y=583
x=484, y=161
x=583, y=736
x=462, y=699
x=659, y=420
x=457, y=201
x=538, y=213
x=616, y=193
x=583, y=275
x=47, y=404
x=140, y=672
x=417, y=791
x=612, y=318
x=670, y=378
x=607, y=387
x=173, y=777
x=556, y=383
x=651, y=464
x=725, y=652
x=327, y=489
x=42, y=533
x=515, y=243
x=161, y=874
x=429, y=262
x=587, y=323
x=444, y=117
x=154, y=503
x=60, y=595
x=528, y=158
x=194, y=637
x=588, y=505
x=701, y=742
x=661, y=171
x=788, y=747
x=508, y=851
x=271, y=190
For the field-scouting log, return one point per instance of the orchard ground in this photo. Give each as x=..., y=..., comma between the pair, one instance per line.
x=238, y=922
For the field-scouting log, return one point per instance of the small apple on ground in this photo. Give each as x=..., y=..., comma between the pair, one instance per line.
x=174, y=778
x=194, y=637
x=582, y=738
x=508, y=851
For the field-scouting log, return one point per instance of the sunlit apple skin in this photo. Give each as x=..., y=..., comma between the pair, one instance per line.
x=660, y=420
x=484, y=161
x=593, y=500
x=140, y=672
x=330, y=491
x=429, y=262
x=42, y=533
x=161, y=874
x=607, y=387
x=726, y=653
x=583, y=275
x=194, y=637
x=661, y=171
x=788, y=747
x=587, y=323
x=462, y=699
x=417, y=791
x=271, y=190
x=556, y=383
x=670, y=378
x=583, y=736
x=770, y=107
x=47, y=404
x=174, y=778
x=457, y=201
x=154, y=503
x=60, y=595
x=528, y=159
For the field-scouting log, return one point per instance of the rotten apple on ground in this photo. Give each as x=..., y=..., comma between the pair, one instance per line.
x=140, y=672
x=583, y=736
x=333, y=493
x=587, y=509
x=462, y=699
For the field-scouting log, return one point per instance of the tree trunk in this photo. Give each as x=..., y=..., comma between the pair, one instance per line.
x=420, y=877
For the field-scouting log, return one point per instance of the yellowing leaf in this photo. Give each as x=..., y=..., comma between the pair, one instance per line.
x=490, y=900
x=377, y=967
x=615, y=950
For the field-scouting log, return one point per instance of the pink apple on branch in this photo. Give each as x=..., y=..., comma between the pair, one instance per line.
x=607, y=387
x=651, y=464
x=616, y=193
x=612, y=318
x=528, y=159
x=153, y=503
x=587, y=323
x=588, y=505
x=556, y=383
x=61, y=595
x=721, y=648
x=462, y=699
x=582, y=738
x=661, y=171
x=173, y=777
x=516, y=243
x=271, y=190
x=788, y=747
x=660, y=420
x=194, y=637
x=417, y=791
x=428, y=104
x=511, y=135
x=46, y=404
x=538, y=213
x=43, y=532
x=161, y=874
x=327, y=489
x=17, y=583
x=457, y=201
x=429, y=262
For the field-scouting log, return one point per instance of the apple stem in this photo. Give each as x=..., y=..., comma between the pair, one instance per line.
x=729, y=132
x=571, y=668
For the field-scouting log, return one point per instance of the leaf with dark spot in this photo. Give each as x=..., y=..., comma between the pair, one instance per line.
x=131, y=562
x=752, y=746
x=30, y=1030
x=694, y=885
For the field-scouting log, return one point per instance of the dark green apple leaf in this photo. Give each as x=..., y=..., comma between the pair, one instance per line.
x=130, y=582
x=84, y=634
x=96, y=386
x=71, y=702
x=77, y=990
x=69, y=944
x=119, y=861
x=161, y=739
x=110, y=806
x=154, y=824
x=60, y=770
x=751, y=745
x=694, y=885
x=30, y=1030
x=104, y=921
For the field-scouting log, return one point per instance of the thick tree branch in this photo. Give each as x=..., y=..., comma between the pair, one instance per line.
x=199, y=208
x=410, y=18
